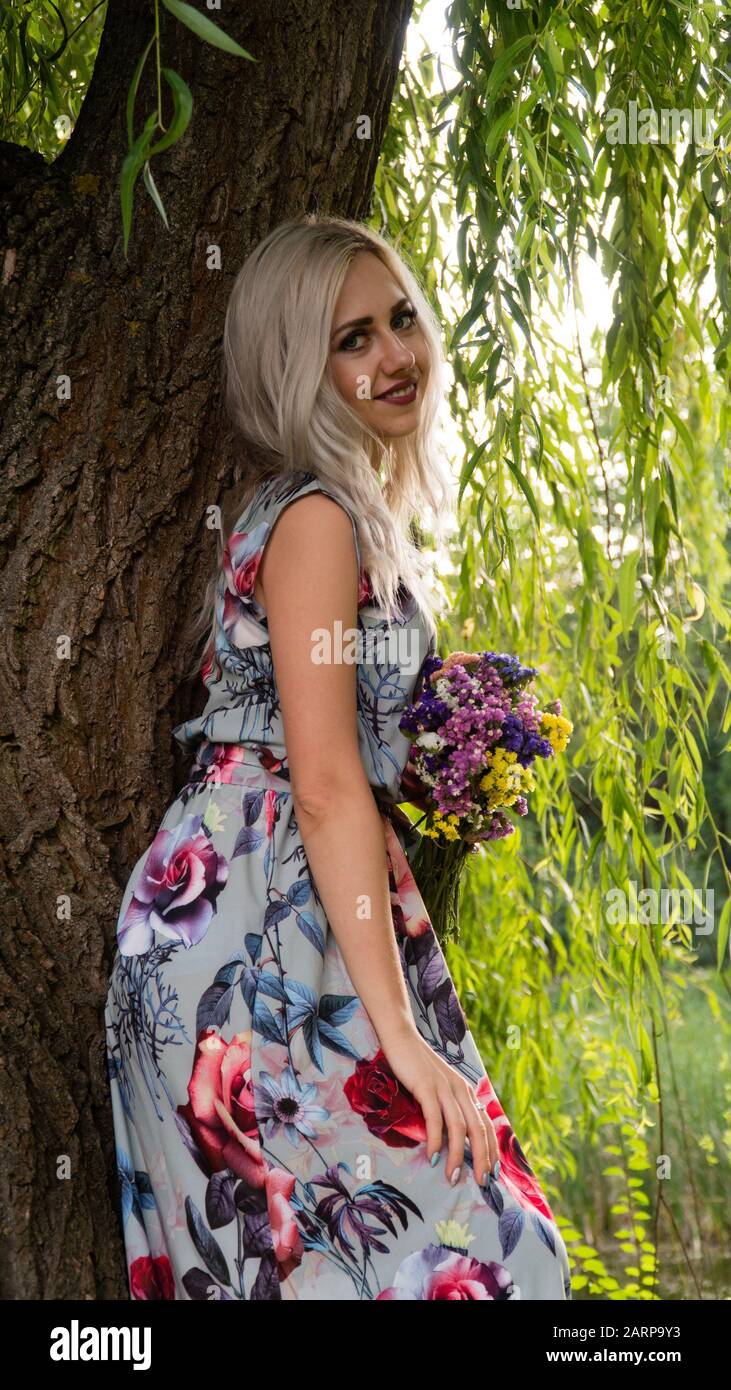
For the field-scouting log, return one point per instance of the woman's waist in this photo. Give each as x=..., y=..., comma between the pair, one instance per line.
x=258, y=765
x=243, y=764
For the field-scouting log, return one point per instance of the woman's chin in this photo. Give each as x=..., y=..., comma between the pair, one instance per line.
x=403, y=423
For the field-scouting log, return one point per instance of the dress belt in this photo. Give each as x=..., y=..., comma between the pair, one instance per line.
x=248, y=763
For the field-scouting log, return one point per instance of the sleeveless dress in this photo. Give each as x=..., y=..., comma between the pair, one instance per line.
x=265, y=1150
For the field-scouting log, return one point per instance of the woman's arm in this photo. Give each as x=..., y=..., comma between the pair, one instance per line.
x=308, y=575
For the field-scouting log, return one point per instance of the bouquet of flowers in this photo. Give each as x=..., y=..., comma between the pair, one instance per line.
x=476, y=730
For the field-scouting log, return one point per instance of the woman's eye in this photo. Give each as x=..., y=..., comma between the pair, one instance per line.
x=350, y=343
x=409, y=315
x=355, y=341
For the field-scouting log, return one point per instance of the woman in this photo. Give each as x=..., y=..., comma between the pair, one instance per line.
x=288, y=1056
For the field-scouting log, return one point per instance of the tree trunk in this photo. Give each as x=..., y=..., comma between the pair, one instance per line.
x=104, y=543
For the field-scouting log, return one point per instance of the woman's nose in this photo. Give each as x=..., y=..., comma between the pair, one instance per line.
x=395, y=355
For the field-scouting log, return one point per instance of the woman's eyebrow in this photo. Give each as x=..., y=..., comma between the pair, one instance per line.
x=364, y=322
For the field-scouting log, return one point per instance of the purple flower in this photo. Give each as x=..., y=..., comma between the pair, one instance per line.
x=510, y=670
x=176, y=890
x=488, y=707
x=524, y=742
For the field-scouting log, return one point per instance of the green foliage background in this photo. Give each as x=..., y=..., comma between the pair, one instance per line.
x=594, y=543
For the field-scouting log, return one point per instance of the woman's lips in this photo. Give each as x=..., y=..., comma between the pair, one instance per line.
x=399, y=395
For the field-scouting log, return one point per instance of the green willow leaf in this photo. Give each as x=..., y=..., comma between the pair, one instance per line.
x=627, y=585
x=499, y=129
x=469, y=468
x=525, y=487
x=723, y=936
x=547, y=70
x=648, y=955
x=646, y=1054
x=661, y=538
x=683, y=431
x=130, y=169
x=574, y=137
x=205, y=29
x=46, y=71
x=132, y=93
x=182, y=111
x=506, y=63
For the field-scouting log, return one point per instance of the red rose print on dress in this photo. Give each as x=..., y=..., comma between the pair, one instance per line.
x=365, y=592
x=238, y=613
x=389, y=1110
x=241, y=559
x=152, y=1278
x=515, y=1170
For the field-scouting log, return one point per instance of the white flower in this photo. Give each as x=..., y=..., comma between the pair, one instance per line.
x=428, y=778
x=433, y=742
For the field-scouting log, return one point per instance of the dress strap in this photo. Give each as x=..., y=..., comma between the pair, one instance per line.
x=246, y=544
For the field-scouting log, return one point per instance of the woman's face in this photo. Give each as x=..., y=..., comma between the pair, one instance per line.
x=378, y=353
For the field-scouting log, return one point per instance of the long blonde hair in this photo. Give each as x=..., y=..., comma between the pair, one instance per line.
x=281, y=398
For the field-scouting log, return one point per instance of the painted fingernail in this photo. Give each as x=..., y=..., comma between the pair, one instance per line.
x=485, y=1176
x=434, y=1158
x=455, y=1176
x=496, y=1170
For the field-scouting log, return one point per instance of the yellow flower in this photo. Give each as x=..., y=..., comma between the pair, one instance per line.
x=506, y=779
x=444, y=825
x=454, y=1234
x=557, y=730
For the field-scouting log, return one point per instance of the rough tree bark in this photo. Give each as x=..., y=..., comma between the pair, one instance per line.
x=103, y=540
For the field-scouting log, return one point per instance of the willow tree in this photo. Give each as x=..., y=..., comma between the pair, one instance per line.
x=114, y=451
x=557, y=149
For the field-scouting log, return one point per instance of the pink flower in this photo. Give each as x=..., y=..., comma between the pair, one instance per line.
x=409, y=914
x=222, y=1119
x=286, y=1236
x=220, y=1109
x=176, y=890
x=439, y=1273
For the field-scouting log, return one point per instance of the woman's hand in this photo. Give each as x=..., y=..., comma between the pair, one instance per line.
x=445, y=1097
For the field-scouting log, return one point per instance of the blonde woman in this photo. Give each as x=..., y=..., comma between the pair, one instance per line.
x=300, y=1110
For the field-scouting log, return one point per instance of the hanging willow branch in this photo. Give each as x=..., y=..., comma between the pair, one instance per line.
x=562, y=182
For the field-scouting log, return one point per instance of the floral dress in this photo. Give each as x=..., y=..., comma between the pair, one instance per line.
x=265, y=1149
